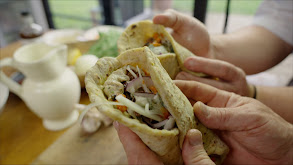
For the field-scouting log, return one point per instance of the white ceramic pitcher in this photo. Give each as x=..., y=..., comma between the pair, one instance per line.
x=50, y=89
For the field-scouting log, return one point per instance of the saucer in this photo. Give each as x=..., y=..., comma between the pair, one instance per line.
x=3, y=96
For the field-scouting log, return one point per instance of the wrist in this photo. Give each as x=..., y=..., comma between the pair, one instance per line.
x=216, y=47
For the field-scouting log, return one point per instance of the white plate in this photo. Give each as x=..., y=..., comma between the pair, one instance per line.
x=4, y=92
x=62, y=36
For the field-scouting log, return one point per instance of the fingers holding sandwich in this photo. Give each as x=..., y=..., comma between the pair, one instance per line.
x=229, y=77
x=187, y=31
x=218, y=109
x=222, y=118
x=173, y=19
x=201, y=92
x=193, y=151
x=136, y=151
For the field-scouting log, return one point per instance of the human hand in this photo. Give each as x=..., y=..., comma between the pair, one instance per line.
x=254, y=133
x=187, y=31
x=229, y=77
x=138, y=153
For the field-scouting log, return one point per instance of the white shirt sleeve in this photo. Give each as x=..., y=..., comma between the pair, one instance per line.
x=277, y=17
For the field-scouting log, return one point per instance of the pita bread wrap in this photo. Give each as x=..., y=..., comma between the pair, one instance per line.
x=145, y=32
x=166, y=143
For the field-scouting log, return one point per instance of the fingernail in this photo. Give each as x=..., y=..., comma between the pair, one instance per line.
x=189, y=63
x=157, y=20
x=203, y=109
x=194, y=137
x=180, y=76
x=116, y=125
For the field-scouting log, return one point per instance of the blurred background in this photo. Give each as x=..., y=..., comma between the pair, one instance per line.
x=85, y=14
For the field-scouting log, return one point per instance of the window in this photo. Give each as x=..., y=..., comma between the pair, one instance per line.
x=81, y=14
x=241, y=14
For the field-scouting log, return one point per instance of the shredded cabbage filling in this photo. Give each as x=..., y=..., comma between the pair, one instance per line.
x=141, y=101
x=159, y=45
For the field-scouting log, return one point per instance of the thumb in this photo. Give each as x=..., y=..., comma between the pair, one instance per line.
x=193, y=151
x=170, y=18
x=136, y=151
x=187, y=31
x=229, y=119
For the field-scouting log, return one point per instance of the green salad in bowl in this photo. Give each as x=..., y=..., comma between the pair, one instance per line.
x=107, y=43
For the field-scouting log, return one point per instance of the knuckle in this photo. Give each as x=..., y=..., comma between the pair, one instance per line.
x=178, y=22
x=223, y=116
x=198, y=157
x=241, y=74
x=231, y=72
x=224, y=69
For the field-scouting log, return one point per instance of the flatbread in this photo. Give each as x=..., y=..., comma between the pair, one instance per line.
x=137, y=35
x=166, y=144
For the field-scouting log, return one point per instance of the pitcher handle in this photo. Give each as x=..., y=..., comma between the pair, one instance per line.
x=12, y=85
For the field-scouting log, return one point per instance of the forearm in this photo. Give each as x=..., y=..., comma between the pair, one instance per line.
x=254, y=49
x=279, y=99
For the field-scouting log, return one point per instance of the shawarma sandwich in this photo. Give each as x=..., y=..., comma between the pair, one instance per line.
x=161, y=43
x=136, y=90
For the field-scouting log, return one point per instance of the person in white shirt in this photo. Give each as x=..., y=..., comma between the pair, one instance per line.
x=259, y=130
x=251, y=49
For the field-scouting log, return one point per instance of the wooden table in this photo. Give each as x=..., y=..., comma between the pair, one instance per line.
x=22, y=135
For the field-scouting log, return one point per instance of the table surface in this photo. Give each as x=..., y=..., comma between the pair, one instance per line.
x=22, y=135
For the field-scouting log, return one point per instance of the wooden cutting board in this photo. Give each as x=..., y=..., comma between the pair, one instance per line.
x=74, y=147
